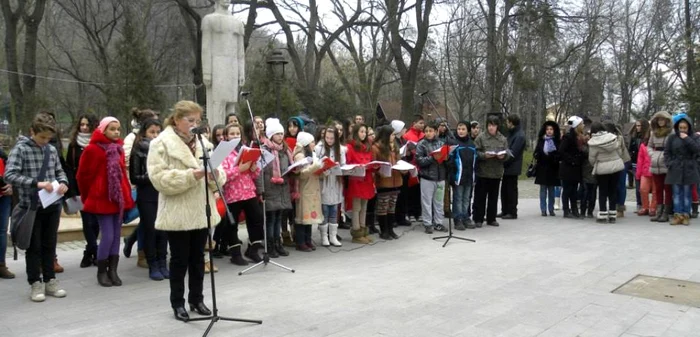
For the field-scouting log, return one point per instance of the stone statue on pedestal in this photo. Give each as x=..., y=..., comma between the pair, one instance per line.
x=223, y=61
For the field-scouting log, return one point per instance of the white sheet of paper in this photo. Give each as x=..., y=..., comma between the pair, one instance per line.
x=303, y=162
x=222, y=151
x=335, y=171
x=353, y=170
x=47, y=199
x=267, y=156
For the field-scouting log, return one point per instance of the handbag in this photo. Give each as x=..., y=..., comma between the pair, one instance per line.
x=132, y=214
x=531, y=169
x=73, y=205
x=23, y=218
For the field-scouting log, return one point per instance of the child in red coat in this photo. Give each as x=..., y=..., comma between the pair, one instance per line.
x=646, y=183
x=360, y=189
x=102, y=173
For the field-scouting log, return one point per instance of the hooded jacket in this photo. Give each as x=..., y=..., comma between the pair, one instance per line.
x=681, y=155
x=548, y=164
x=604, y=153
x=93, y=178
x=24, y=164
x=657, y=142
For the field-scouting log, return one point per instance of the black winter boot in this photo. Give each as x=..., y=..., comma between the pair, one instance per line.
x=102, y=277
x=391, y=219
x=694, y=208
x=236, y=257
x=253, y=252
x=87, y=259
x=112, y=272
x=271, y=251
x=370, y=221
x=280, y=248
x=384, y=235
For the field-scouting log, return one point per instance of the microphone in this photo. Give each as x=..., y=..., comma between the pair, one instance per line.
x=197, y=130
x=245, y=93
x=424, y=93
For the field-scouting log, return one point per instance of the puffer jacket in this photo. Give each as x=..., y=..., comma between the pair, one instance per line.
x=657, y=142
x=396, y=179
x=429, y=167
x=604, y=153
x=490, y=168
x=138, y=172
x=462, y=163
x=681, y=156
x=643, y=163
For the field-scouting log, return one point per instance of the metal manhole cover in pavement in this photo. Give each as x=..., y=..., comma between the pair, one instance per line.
x=662, y=289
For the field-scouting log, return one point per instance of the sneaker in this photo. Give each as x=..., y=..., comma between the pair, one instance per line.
x=440, y=228
x=459, y=225
x=37, y=294
x=479, y=224
x=428, y=230
x=493, y=223
x=52, y=289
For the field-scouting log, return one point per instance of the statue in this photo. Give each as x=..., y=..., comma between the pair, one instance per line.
x=223, y=61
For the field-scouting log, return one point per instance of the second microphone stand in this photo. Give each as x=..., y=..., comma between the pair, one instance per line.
x=266, y=257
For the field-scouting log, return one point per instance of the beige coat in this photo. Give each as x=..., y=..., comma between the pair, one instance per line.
x=605, y=154
x=181, y=204
x=309, y=204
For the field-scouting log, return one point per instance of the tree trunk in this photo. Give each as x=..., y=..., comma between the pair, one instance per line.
x=491, y=61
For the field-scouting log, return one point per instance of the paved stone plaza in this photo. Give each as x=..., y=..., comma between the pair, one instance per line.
x=530, y=277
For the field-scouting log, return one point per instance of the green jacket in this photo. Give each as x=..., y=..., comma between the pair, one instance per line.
x=491, y=168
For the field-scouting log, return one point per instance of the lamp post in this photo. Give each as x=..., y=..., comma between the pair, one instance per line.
x=276, y=61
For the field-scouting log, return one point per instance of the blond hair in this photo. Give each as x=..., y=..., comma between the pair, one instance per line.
x=180, y=110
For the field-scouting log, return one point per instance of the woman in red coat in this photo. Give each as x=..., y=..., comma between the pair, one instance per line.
x=360, y=189
x=102, y=173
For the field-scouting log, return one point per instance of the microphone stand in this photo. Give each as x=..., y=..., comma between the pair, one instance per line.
x=449, y=235
x=215, y=311
x=266, y=257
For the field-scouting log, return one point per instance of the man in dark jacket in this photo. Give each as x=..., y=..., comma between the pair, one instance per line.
x=512, y=168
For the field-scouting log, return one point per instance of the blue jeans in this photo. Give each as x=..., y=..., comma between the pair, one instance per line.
x=5, y=206
x=460, y=201
x=274, y=224
x=557, y=191
x=330, y=214
x=681, y=199
x=547, y=197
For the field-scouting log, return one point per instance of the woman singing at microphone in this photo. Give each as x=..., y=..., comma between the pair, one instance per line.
x=176, y=172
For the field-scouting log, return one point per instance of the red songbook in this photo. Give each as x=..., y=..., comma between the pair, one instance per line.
x=249, y=155
x=444, y=151
x=327, y=165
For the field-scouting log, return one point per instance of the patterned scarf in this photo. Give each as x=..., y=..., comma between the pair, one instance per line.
x=189, y=139
x=83, y=139
x=276, y=148
x=549, y=145
x=114, y=153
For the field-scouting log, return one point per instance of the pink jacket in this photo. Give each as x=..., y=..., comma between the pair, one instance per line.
x=239, y=186
x=643, y=163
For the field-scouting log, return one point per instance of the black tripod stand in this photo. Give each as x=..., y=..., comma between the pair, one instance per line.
x=266, y=257
x=215, y=311
x=449, y=218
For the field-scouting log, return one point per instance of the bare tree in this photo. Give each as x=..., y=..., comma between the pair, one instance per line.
x=22, y=85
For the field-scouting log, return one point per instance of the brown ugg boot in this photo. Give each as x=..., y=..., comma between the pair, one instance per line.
x=57, y=268
x=621, y=211
x=677, y=219
x=366, y=231
x=686, y=220
x=5, y=273
x=358, y=236
x=142, y=262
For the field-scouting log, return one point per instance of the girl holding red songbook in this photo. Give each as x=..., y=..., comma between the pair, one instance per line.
x=360, y=189
x=240, y=193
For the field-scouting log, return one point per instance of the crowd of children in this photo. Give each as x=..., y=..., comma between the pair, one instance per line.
x=375, y=176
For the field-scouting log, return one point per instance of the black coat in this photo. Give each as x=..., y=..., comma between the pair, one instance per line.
x=71, y=168
x=516, y=144
x=138, y=172
x=571, y=158
x=547, y=164
x=681, y=158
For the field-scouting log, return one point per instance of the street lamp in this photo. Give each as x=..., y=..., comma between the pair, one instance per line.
x=276, y=61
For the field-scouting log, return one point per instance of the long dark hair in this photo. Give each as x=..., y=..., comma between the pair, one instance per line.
x=141, y=135
x=383, y=141
x=142, y=115
x=217, y=127
x=356, y=138
x=336, y=144
x=92, y=124
x=295, y=122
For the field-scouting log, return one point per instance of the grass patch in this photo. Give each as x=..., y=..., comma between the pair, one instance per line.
x=527, y=158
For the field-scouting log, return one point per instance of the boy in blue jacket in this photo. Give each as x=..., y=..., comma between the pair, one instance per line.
x=461, y=177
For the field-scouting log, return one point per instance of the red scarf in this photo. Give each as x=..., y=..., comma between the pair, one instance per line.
x=276, y=148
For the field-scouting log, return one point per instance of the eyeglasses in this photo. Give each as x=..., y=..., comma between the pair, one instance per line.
x=193, y=120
